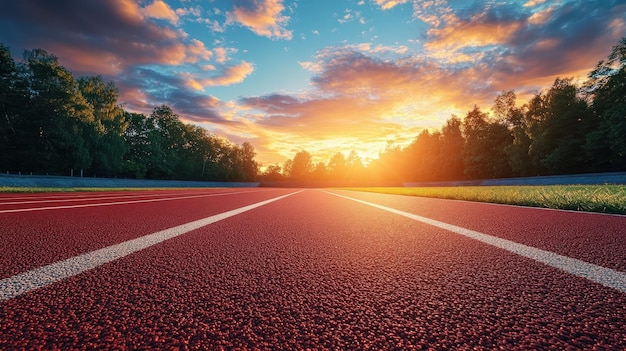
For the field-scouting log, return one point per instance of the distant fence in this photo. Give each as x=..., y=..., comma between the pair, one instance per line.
x=13, y=180
x=327, y=184
x=570, y=179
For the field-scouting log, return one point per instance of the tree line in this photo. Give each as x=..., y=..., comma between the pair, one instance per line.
x=52, y=122
x=569, y=128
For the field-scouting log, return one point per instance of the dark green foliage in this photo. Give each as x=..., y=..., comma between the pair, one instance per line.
x=607, y=89
x=106, y=145
x=506, y=112
x=559, y=124
x=51, y=123
x=12, y=99
x=451, y=151
x=485, y=142
x=53, y=129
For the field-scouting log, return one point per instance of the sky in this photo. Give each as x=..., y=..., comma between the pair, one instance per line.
x=323, y=76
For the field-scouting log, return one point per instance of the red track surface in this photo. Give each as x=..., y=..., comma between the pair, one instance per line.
x=312, y=271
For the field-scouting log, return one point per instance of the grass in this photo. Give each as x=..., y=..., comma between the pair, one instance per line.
x=590, y=198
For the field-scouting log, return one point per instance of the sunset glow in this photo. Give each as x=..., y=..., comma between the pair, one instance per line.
x=321, y=76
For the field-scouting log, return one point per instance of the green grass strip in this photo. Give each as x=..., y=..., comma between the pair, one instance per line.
x=590, y=198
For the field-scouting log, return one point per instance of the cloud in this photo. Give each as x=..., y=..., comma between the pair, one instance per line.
x=361, y=100
x=567, y=43
x=524, y=47
x=142, y=89
x=540, y=17
x=221, y=54
x=389, y=4
x=531, y=3
x=159, y=9
x=381, y=72
x=322, y=125
x=347, y=17
x=351, y=72
x=190, y=11
x=263, y=17
x=351, y=15
x=476, y=30
x=231, y=75
x=106, y=37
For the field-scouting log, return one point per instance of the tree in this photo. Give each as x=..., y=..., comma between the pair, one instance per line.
x=288, y=168
x=484, y=156
x=107, y=146
x=422, y=157
x=559, y=123
x=166, y=136
x=273, y=173
x=217, y=156
x=192, y=159
x=302, y=166
x=52, y=123
x=507, y=113
x=355, y=166
x=506, y=110
x=13, y=97
x=337, y=167
x=249, y=167
x=391, y=164
x=606, y=87
x=319, y=172
x=451, y=150
x=138, y=148
x=53, y=129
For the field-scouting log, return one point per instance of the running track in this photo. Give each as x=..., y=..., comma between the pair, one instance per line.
x=296, y=269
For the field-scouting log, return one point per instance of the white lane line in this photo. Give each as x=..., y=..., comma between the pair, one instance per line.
x=85, y=198
x=91, y=195
x=118, y=202
x=39, y=277
x=606, y=276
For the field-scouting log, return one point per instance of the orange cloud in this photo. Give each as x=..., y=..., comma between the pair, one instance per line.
x=129, y=10
x=192, y=83
x=618, y=27
x=159, y=9
x=540, y=17
x=263, y=17
x=105, y=45
x=388, y=4
x=474, y=32
x=323, y=126
x=359, y=103
x=532, y=3
x=196, y=51
x=221, y=54
x=231, y=75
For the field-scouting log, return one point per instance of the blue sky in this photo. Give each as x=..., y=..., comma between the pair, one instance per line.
x=319, y=75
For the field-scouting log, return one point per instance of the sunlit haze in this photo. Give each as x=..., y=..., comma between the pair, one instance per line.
x=318, y=75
